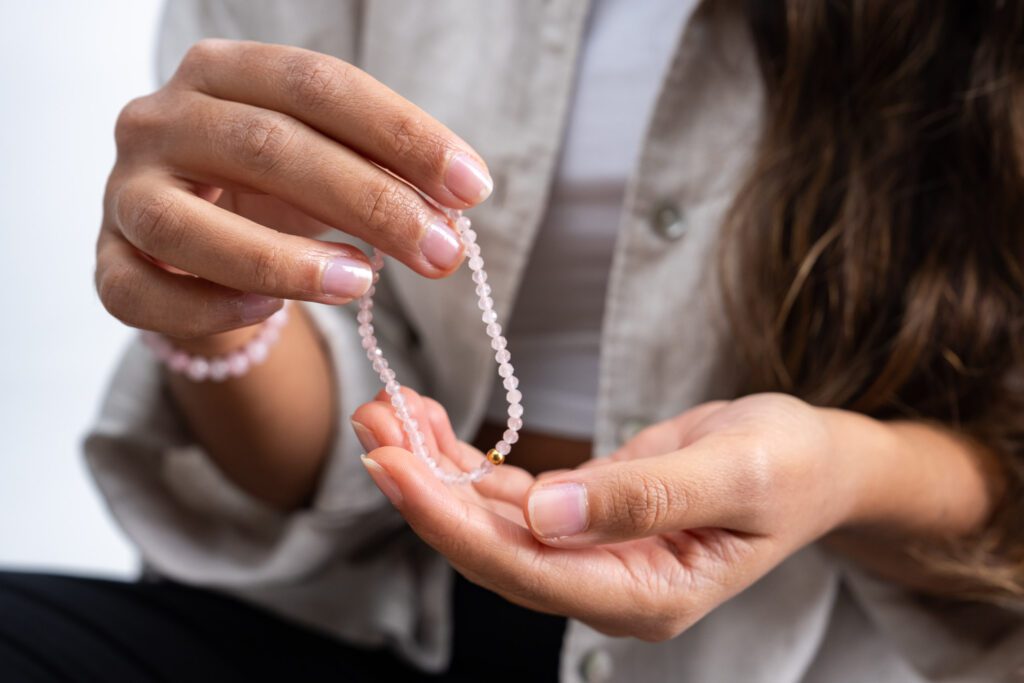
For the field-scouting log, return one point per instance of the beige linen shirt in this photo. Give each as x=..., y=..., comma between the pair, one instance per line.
x=499, y=73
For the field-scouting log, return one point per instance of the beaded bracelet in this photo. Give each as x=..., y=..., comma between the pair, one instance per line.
x=496, y=455
x=219, y=368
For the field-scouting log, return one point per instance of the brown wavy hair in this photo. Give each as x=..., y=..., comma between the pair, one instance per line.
x=874, y=257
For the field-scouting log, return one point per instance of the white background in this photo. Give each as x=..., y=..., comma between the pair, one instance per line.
x=66, y=69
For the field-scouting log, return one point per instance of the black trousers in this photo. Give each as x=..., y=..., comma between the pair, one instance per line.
x=67, y=628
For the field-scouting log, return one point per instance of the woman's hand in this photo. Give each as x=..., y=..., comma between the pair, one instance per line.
x=250, y=151
x=641, y=543
x=690, y=512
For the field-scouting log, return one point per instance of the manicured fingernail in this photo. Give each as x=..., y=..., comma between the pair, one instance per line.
x=365, y=436
x=255, y=307
x=467, y=180
x=440, y=245
x=383, y=480
x=347, y=277
x=558, y=510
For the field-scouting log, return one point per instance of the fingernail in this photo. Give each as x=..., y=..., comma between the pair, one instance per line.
x=347, y=277
x=365, y=436
x=255, y=307
x=383, y=480
x=467, y=180
x=558, y=510
x=440, y=245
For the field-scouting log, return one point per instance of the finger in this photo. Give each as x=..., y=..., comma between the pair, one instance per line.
x=141, y=294
x=273, y=153
x=701, y=486
x=159, y=216
x=346, y=104
x=378, y=418
x=506, y=483
x=667, y=435
x=493, y=551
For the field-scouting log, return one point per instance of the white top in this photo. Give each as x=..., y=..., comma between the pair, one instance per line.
x=555, y=326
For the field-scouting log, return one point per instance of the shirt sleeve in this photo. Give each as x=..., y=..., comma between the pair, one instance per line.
x=942, y=639
x=191, y=522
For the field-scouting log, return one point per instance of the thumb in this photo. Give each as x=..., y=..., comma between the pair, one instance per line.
x=621, y=501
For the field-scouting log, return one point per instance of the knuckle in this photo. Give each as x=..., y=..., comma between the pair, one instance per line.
x=200, y=55
x=267, y=268
x=263, y=140
x=646, y=503
x=152, y=219
x=116, y=290
x=756, y=479
x=313, y=79
x=136, y=118
x=408, y=137
x=384, y=208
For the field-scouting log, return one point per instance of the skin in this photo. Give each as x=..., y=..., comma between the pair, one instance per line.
x=692, y=510
x=224, y=180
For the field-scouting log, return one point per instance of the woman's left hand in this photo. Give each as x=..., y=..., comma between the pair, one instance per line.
x=643, y=542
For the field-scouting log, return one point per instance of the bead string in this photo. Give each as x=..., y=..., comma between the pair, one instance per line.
x=236, y=363
x=496, y=455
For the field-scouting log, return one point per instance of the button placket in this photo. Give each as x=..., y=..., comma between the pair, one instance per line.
x=596, y=666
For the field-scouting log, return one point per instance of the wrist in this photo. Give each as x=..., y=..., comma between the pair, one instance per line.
x=908, y=478
x=217, y=344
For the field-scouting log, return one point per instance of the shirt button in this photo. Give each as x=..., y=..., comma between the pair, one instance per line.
x=630, y=428
x=667, y=220
x=596, y=666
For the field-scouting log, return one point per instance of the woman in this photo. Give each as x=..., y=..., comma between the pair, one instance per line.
x=798, y=361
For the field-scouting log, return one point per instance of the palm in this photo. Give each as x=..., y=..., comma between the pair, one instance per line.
x=655, y=567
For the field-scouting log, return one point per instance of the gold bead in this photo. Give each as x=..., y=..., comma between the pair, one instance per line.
x=495, y=457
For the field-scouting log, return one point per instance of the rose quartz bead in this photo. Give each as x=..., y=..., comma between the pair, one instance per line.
x=179, y=361
x=238, y=364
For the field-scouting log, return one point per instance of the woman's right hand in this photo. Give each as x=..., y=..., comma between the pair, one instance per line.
x=230, y=171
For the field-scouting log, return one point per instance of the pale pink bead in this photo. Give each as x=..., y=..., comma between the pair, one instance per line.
x=164, y=352
x=515, y=423
x=510, y=383
x=198, y=369
x=238, y=363
x=219, y=369
x=179, y=361
x=514, y=396
x=498, y=343
x=502, y=356
x=510, y=436
x=494, y=330
x=503, y=447
x=269, y=336
x=489, y=316
x=515, y=410
x=257, y=351
x=505, y=369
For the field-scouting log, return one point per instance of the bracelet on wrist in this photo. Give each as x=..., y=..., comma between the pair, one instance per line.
x=218, y=368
